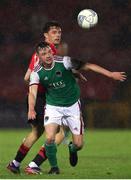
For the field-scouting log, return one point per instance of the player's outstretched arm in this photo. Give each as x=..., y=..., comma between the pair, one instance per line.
x=79, y=75
x=121, y=76
x=32, y=101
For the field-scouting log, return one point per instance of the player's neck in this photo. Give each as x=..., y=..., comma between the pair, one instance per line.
x=52, y=44
x=48, y=66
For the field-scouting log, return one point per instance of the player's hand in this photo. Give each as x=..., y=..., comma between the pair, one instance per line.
x=120, y=76
x=31, y=115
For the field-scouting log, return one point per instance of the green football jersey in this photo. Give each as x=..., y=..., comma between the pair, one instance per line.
x=59, y=81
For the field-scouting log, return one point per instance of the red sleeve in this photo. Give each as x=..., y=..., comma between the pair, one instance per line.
x=32, y=62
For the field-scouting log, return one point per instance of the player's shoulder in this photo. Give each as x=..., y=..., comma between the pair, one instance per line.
x=61, y=59
x=58, y=59
x=34, y=56
x=37, y=68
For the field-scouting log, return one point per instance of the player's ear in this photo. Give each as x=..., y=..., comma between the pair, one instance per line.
x=45, y=35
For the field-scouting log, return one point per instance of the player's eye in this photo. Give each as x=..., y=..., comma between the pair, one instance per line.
x=53, y=32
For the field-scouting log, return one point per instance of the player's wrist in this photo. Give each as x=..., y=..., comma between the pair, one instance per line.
x=31, y=110
x=110, y=74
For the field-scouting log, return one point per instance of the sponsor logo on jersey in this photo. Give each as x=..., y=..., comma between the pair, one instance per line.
x=57, y=85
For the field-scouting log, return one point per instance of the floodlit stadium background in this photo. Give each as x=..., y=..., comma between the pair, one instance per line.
x=106, y=103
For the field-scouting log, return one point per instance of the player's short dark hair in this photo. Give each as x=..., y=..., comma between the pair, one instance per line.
x=41, y=45
x=49, y=24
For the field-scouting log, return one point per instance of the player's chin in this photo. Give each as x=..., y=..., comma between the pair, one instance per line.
x=57, y=42
x=49, y=62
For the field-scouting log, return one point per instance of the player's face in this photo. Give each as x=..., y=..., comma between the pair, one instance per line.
x=46, y=56
x=54, y=35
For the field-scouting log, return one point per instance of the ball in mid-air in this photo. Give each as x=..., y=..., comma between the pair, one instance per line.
x=87, y=18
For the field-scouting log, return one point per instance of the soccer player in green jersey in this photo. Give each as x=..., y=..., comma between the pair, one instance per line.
x=52, y=32
x=62, y=99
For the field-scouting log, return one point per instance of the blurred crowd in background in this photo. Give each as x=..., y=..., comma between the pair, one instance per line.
x=106, y=102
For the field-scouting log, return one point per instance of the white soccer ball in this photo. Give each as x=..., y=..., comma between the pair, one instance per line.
x=87, y=18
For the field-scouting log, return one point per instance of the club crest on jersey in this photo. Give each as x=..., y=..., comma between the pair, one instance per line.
x=58, y=73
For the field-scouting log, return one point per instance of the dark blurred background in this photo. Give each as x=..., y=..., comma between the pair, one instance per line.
x=106, y=103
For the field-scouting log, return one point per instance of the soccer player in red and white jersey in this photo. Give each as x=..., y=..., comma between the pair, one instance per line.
x=52, y=35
